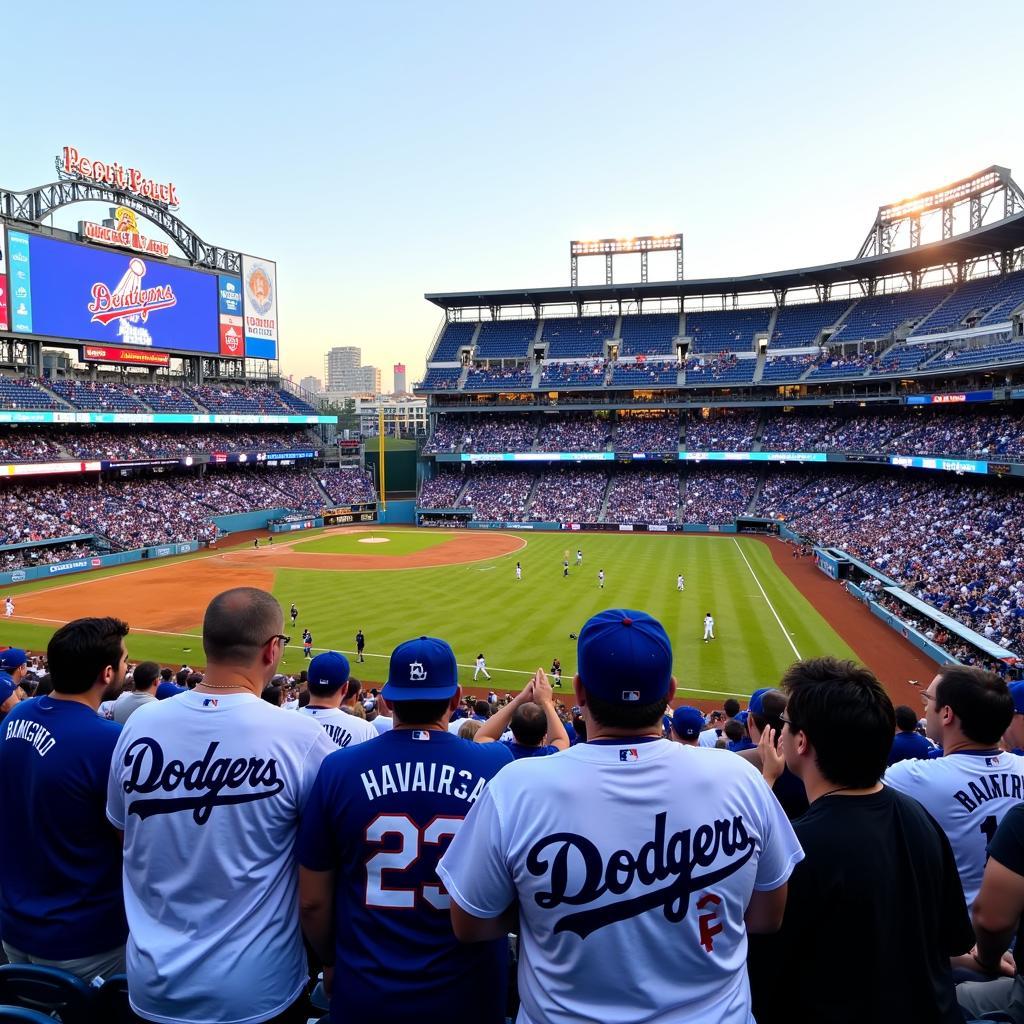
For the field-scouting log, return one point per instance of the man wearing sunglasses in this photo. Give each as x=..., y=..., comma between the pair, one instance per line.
x=207, y=789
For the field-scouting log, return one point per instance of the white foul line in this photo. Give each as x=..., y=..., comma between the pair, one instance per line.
x=771, y=607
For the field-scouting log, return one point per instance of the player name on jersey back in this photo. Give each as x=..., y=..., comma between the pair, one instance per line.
x=417, y=777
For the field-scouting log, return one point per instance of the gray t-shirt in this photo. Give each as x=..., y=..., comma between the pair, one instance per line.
x=130, y=702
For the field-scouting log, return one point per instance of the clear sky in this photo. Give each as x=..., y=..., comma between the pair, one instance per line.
x=380, y=150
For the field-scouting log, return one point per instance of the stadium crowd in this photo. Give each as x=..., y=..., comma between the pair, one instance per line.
x=568, y=496
x=643, y=496
x=257, y=806
x=716, y=495
x=652, y=433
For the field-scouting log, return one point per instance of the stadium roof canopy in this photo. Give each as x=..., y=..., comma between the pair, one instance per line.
x=1002, y=236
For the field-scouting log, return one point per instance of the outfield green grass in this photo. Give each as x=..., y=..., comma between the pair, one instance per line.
x=522, y=625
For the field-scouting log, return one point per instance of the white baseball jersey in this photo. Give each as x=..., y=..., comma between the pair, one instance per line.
x=708, y=738
x=382, y=723
x=600, y=576
x=709, y=625
x=615, y=864
x=208, y=791
x=343, y=728
x=8, y=607
x=519, y=572
x=967, y=794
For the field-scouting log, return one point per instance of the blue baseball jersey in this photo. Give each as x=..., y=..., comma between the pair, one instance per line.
x=61, y=896
x=380, y=816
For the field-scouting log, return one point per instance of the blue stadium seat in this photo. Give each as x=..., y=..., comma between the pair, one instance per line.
x=442, y=378
x=577, y=337
x=49, y=990
x=801, y=326
x=452, y=339
x=24, y=1015
x=505, y=339
x=727, y=330
x=649, y=334
x=877, y=316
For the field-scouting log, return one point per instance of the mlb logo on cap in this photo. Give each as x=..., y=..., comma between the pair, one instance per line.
x=623, y=648
x=328, y=673
x=630, y=754
x=630, y=695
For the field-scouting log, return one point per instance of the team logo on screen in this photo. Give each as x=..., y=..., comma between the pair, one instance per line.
x=260, y=289
x=129, y=303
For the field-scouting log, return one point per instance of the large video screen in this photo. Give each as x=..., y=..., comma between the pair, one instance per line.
x=63, y=290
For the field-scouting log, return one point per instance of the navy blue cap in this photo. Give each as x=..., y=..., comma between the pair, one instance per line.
x=624, y=657
x=12, y=658
x=328, y=673
x=168, y=689
x=1017, y=693
x=687, y=722
x=422, y=669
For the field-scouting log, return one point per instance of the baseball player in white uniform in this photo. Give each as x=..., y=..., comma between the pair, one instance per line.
x=481, y=668
x=600, y=578
x=709, y=628
x=971, y=787
x=519, y=571
x=9, y=606
x=680, y=583
x=667, y=895
x=579, y=556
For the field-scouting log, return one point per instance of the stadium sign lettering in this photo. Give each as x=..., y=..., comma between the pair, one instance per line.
x=117, y=176
x=125, y=233
x=128, y=300
x=945, y=399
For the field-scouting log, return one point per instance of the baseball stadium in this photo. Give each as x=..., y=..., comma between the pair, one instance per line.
x=672, y=498
x=781, y=451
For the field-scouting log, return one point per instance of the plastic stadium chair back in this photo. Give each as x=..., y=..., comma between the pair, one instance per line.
x=48, y=990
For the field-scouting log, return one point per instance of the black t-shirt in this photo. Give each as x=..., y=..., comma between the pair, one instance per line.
x=1007, y=847
x=873, y=914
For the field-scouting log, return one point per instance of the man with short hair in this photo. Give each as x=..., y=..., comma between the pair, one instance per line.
x=144, y=677
x=61, y=901
x=687, y=724
x=730, y=709
x=328, y=683
x=208, y=788
x=876, y=866
x=631, y=898
x=908, y=744
x=380, y=816
x=969, y=789
x=536, y=728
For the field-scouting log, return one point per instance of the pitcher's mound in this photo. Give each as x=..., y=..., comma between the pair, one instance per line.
x=374, y=540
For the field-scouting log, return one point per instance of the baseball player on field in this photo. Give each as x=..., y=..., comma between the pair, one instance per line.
x=294, y=612
x=971, y=787
x=360, y=644
x=379, y=818
x=565, y=565
x=680, y=583
x=537, y=855
x=709, y=628
x=8, y=606
x=481, y=668
x=600, y=578
x=307, y=644
x=519, y=571
x=579, y=557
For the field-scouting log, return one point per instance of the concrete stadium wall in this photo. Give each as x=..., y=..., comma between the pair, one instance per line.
x=403, y=512
x=313, y=523
x=241, y=521
x=919, y=640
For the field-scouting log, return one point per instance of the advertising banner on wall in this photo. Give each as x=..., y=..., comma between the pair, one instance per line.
x=259, y=281
x=83, y=293
x=3, y=284
x=229, y=311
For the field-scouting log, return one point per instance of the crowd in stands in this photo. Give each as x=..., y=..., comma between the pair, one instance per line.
x=722, y=430
x=568, y=496
x=144, y=511
x=26, y=558
x=652, y=433
x=574, y=432
x=498, y=493
x=717, y=495
x=441, y=491
x=20, y=445
x=577, y=373
x=643, y=496
x=347, y=486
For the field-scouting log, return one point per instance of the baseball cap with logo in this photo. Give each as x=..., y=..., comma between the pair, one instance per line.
x=624, y=657
x=1017, y=693
x=328, y=673
x=422, y=669
x=688, y=722
x=12, y=658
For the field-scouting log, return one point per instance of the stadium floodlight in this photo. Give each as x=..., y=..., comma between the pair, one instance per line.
x=609, y=248
x=978, y=190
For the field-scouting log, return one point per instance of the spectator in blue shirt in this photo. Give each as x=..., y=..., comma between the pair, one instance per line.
x=536, y=728
x=1013, y=738
x=61, y=903
x=908, y=744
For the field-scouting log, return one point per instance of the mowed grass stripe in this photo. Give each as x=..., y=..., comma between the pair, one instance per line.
x=481, y=607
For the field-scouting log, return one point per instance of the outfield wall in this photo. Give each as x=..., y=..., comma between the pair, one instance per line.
x=240, y=522
x=91, y=562
x=919, y=640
